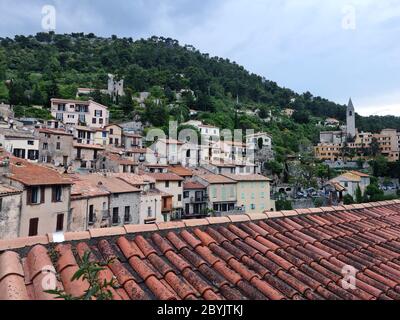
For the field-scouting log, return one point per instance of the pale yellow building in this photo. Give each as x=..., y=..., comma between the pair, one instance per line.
x=253, y=193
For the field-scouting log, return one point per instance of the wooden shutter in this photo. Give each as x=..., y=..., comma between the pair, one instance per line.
x=29, y=196
x=60, y=222
x=53, y=194
x=33, y=227
x=42, y=194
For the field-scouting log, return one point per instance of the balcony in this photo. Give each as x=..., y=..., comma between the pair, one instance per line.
x=199, y=199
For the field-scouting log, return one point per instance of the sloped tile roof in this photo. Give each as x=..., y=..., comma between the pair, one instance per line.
x=180, y=171
x=248, y=177
x=164, y=176
x=193, y=185
x=216, y=179
x=8, y=190
x=303, y=256
x=31, y=174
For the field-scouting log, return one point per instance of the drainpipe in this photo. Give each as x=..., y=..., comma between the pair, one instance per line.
x=87, y=214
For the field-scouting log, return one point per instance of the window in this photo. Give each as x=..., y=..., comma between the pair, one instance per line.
x=232, y=191
x=91, y=214
x=35, y=195
x=149, y=212
x=60, y=223
x=58, y=147
x=111, y=140
x=45, y=146
x=59, y=116
x=167, y=184
x=115, y=217
x=19, y=153
x=33, y=155
x=98, y=113
x=31, y=143
x=33, y=227
x=186, y=194
x=116, y=141
x=253, y=206
x=180, y=184
x=214, y=192
x=101, y=121
x=111, y=131
x=94, y=120
x=127, y=216
x=57, y=194
x=179, y=197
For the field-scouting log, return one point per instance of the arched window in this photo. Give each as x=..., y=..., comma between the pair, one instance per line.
x=350, y=113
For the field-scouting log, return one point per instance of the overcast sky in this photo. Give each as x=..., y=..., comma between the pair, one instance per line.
x=332, y=48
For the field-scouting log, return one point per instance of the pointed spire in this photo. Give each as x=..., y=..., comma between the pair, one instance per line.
x=350, y=105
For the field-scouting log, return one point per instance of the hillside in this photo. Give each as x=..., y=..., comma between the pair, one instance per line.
x=49, y=65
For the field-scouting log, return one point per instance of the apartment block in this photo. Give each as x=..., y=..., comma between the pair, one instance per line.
x=76, y=112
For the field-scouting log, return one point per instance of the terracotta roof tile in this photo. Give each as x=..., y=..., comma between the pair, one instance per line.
x=164, y=176
x=296, y=257
x=180, y=171
x=193, y=185
x=7, y=190
x=34, y=174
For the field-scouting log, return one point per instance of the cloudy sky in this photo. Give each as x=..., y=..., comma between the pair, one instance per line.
x=332, y=48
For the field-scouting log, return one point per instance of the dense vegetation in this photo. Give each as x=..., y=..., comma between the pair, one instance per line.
x=36, y=68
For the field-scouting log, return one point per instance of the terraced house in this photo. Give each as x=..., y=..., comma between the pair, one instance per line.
x=45, y=196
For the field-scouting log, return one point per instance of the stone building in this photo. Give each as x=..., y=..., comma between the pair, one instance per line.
x=10, y=210
x=45, y=201
x=56, y=147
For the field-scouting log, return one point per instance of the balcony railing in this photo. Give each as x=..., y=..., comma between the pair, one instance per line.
x=198, y=199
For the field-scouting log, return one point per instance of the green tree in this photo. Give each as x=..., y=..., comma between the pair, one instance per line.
x=126, y=103
x=3, y=65
x=275, y=167
x=283, y=204
x=380, y=166
x=359, y=195
x=374, y=147
x=17, y=93
x=37, y=96
x=156, y=113
x=348, y=199
x=374, y=193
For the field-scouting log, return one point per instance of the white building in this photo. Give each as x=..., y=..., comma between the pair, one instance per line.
x=21, y=144
x=207, y=132
x=84, y=113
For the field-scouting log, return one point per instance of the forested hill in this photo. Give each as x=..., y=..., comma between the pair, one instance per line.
x=48, y=65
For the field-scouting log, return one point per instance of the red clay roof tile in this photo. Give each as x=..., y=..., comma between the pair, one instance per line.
x=293, y=257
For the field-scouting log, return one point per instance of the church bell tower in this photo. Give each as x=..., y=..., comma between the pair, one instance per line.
x=351, y=120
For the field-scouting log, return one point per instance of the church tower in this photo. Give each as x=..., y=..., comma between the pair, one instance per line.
x=351, y=120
